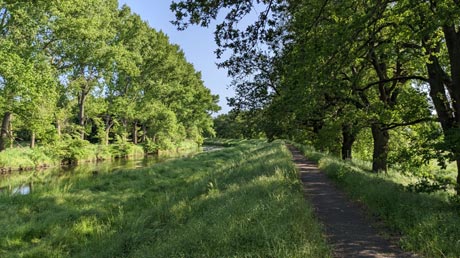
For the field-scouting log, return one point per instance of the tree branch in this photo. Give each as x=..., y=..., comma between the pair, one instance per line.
x=421, y=120
x=414, y=77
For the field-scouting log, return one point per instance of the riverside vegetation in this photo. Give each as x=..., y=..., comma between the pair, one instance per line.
x=242, y=201
x=76, y=151
x=91, y=72
x=427, y=223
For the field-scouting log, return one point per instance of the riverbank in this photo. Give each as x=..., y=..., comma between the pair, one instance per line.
x=241, y=201
x=75, y=152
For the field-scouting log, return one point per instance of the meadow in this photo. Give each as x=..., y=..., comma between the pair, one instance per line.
x=241, y=201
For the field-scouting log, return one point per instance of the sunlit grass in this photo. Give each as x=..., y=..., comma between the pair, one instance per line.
x=428, y=223
x=25, y=158
x=242, y=201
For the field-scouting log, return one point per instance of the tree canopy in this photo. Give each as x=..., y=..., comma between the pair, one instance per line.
x=94, y=71
x=335, y=72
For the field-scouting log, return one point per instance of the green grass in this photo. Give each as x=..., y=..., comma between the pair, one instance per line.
x=26, y=157
x=227, y=142
x=50, y=156
x=428, y=223
x=242, y=201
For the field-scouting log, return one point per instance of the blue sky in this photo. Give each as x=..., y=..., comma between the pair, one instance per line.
x=196, y=42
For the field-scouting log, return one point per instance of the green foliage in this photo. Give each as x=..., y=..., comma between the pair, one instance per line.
x=238, y=125
x=26, y=158
x=150, y=147
x=242, y=201
x=73, y=149
x=327, y=66
x=88, y=69
x=123, y=149
x=431, y=184
x=328, y=139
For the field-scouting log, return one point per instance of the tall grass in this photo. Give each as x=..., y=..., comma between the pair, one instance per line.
x=26, y=157
x=78, y=151
x=242, y=201
x=428, y=223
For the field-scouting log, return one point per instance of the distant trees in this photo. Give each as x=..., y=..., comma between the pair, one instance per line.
x=90, y=70
x=239, y=125
x=335, y=72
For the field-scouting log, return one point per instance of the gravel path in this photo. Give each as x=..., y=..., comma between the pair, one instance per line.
x=347, y=228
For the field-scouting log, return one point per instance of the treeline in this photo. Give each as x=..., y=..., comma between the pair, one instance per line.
x=88, y=70
x=381, y=74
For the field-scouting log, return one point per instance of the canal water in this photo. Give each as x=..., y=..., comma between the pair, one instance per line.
x=22, y=183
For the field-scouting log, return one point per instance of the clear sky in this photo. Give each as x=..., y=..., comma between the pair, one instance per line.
x=196, y=42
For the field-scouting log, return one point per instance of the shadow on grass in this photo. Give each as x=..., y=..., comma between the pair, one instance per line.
x=428, y=223
x=241, y=201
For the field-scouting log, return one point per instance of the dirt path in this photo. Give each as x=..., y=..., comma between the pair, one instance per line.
x=347, y=228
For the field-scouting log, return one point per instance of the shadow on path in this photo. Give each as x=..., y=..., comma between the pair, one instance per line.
x=347, y=229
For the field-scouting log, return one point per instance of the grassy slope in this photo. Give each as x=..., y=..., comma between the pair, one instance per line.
x=243, y=201
x=428, y=223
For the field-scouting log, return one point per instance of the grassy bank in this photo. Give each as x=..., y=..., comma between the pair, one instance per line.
x=76, y=151
x=225, y=142
x=428, y=223
x=242, y=201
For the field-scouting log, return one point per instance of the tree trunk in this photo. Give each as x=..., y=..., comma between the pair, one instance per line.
x=124, y=123
x=452, y=40
x=4, y=135
x=441, y=85
x=81, y=113
x=106, y=137
x=348, y=138
x=32, y=140
x=58, y=128
x=381, y=139
x=457, y=186
x=144, y=133
x=135, y=132
x=108, y=125
x=438, y=93
x=10, y=133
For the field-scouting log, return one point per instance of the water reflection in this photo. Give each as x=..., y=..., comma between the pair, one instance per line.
x=22, y=189
x=208, y=148
x=21, y=183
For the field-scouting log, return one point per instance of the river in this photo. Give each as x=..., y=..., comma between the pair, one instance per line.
x=22, y=183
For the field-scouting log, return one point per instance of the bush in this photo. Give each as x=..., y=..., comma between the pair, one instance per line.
x=124, y=149
x=431, y=184
x=150, y=147
x=26, y=158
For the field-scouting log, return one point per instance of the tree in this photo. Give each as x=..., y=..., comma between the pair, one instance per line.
x=26, y=79
x=340, y=57
x=81, y=46
x=437, y=29
x=93, y=71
